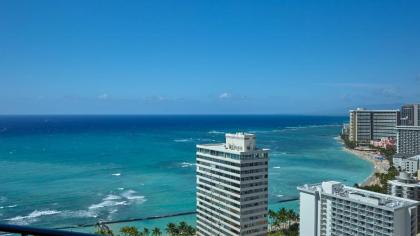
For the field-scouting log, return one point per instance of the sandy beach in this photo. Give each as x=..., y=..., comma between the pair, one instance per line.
x=380, y=166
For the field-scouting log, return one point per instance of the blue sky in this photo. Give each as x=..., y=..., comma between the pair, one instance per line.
x=207, y=57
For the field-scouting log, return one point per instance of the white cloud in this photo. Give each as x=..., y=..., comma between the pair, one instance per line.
x=225, y=95
x=103, y=96
x=155, y=98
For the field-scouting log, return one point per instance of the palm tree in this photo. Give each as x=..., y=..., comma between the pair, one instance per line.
x=171, y=229
x=282, y=216
x=190, y=230
x=182, y=228
x=146, y=232
x=103, y=229
x=290, y=216
x=129, y=231
x=156, y=232
x=272, y=216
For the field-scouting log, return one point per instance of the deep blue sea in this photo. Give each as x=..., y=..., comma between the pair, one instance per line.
x=59, y=171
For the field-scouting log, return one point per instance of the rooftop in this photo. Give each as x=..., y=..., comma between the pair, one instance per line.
x=364, y=110
x=235, y=143
x=406, y=179
x=338, y=189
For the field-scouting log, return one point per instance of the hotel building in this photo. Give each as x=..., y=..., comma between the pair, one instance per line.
x=367, y=125
x=408, y=140
x=331, y=208
x=232, y=187
x=410, y=115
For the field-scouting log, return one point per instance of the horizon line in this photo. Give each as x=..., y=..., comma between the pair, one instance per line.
x=174, y=114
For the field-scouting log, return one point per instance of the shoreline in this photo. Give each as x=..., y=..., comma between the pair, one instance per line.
x=379, y=166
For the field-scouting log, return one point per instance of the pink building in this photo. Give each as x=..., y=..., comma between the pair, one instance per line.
x=386, y=143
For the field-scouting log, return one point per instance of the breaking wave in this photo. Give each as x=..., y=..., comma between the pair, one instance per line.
x=32, y=217
x=183, y=140
x=187, y=164
x=215, y=132
x=130, y=195
x=107, y=203
x=124, y=199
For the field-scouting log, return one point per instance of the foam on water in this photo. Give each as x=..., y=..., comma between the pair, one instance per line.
x=107, y=203
x=32, y=217
x=111, y=197
x=79, y=214
x=183, y=140
x=187, y=164
x=130, y=195
x=216, y=132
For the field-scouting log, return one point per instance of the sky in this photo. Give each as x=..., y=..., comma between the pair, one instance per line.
x=207, y=57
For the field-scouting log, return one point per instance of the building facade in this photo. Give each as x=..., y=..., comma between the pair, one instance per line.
x=410, y=164
x=232, y=187
x=345, y=130
x=404, y=186
x=331, y=208
x=367, y=125
x=408, y=140
x=410, y=115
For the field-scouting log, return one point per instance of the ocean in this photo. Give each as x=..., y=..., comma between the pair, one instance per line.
x=61, y=171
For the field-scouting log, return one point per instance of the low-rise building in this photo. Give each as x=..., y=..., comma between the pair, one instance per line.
x=386, y=143
x=410, y=164
x=331, y=208
x=405, y=186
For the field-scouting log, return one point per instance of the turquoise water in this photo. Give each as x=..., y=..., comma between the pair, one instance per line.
x=69, y=170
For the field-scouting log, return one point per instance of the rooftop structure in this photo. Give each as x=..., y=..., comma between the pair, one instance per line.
x=331, y=208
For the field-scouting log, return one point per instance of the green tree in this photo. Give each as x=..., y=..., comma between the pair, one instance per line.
x=171, y=229
x=282, y=215
x=182, y=227
x=156, y=232
x=191, y=230
x=129, y=231
x=272, y=215
x=291, y=216
x=103, y=229
x=146, y=232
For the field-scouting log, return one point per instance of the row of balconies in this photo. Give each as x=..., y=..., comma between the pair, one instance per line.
x=346, y=228
x=376, y=214
x=363, y=222
x=363, y=208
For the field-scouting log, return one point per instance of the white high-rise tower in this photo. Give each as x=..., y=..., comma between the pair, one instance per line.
x=232, y=187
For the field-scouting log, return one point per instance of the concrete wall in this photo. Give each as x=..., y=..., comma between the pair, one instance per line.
x=308, y=214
